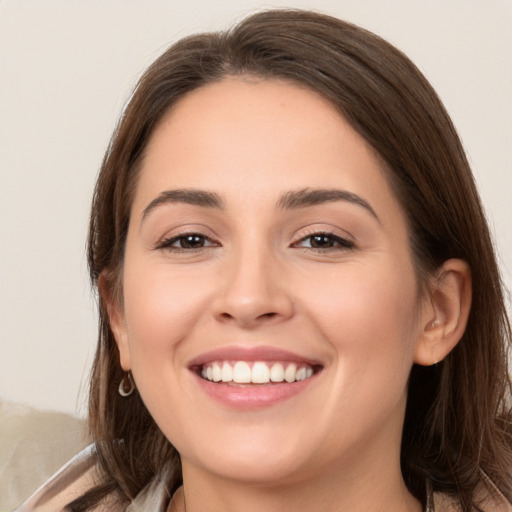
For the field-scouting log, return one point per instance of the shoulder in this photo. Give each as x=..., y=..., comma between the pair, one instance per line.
x=488, y=497
x=34, y=444
x=71, y=481
x=80, y=475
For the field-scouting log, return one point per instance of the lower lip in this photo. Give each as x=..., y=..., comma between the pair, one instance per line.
x=253, y=396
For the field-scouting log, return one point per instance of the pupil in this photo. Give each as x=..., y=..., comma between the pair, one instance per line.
x=321, y=241
x=192, y=241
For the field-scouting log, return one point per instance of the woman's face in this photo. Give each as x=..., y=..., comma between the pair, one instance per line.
x=271, y=311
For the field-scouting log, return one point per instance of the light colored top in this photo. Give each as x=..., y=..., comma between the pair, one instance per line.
x=80, y=474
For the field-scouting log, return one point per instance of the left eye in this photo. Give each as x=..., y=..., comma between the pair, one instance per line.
x=325, y=241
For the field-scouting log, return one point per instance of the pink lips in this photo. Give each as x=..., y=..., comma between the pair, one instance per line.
x=251, y=396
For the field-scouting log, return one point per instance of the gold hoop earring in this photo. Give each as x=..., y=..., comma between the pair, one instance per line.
x=127, y=385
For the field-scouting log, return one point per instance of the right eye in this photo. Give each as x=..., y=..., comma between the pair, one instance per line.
x=186, y=242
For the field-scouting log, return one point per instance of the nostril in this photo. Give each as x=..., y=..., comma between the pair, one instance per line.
x=263, y=316
x=250, y=311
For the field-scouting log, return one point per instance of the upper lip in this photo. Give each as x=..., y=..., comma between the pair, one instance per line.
x=251, y=354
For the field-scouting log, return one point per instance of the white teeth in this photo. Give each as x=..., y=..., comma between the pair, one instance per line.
x=216, y=372
x=290, y=373
x=261, y=372
x=301, y=374
x=227, y=373
x=241, y=373
x=277, y=372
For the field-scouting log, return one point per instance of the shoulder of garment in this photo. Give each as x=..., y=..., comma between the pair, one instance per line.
x=488, y=498
x=81, y=474
x=71, y=481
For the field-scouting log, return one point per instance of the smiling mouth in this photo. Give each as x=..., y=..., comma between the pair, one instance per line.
x=257, y=372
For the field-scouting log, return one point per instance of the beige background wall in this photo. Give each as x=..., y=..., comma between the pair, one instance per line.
x=66, y=69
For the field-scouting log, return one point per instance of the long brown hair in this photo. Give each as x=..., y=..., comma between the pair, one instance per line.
x=458, y=419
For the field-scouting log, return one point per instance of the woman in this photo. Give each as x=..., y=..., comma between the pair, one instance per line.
x=299, y=301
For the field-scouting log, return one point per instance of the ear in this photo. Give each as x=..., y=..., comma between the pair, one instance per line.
x=116, y=319
x=446, y=314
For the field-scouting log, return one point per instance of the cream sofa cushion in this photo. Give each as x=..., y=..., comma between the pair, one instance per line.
x=33, y=445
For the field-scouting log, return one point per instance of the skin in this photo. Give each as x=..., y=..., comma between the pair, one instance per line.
x=256, y=281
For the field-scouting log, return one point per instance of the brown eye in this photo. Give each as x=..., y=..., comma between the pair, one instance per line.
x=322, y=241
x=325, y=241
x=186, y=242
x=191, y=241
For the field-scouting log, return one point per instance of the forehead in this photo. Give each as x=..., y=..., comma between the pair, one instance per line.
x=257, y=139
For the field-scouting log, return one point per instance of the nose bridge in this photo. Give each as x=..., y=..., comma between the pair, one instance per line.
x=252, y=291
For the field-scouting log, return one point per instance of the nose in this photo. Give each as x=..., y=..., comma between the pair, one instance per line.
x=254, y=292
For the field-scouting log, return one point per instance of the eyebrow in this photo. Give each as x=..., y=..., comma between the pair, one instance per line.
x=292, y=200
x=310, y=197
x=194, y=197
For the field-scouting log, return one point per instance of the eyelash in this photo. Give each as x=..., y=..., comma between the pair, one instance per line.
x=342, y=243
x=167, y=243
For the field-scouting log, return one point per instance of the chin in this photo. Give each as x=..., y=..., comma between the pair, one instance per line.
x=257, y=470
x=253, y=459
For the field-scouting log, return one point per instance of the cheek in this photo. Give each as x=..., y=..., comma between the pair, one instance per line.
x=161, y=306
x=369, y=312
x=368, y=318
